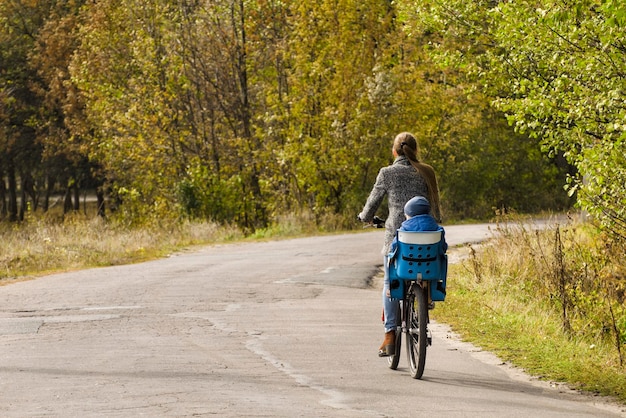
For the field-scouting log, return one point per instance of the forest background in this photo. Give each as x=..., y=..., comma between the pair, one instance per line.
x=242, y=111
x=244, y=115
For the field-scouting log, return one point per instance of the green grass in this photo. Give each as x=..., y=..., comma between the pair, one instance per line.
x=504, y=300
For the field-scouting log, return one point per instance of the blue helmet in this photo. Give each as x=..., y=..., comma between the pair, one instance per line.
x=417, y=206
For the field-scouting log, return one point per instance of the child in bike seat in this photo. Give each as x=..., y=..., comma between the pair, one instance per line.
x=418, y=218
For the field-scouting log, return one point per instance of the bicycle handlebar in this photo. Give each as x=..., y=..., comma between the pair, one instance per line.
x=380, y=223
x=375, y=222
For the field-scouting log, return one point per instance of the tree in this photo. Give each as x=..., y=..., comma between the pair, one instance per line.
x=60, y=123
x=337, y=100
x=557, y=70
x=19, y=25
x=566, y=71
x=38, y=152
x=129, y=83
x=243, y=110
x=222, y=101
x=168, y=92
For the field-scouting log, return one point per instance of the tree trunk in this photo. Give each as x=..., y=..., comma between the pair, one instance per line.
x=12, y=192
x=23, y=197
x=67, y=200
x=76, y=197
x=259, y=216
x=49, y=190
x=28, y=188
x=100, y=198
x=3, y=198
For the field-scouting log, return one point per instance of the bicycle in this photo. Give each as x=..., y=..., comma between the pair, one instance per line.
x=417, y=276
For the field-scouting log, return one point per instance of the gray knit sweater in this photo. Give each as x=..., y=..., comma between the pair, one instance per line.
x=400, y=182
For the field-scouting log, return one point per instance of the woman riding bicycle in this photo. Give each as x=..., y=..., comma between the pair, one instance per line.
x=405, y=178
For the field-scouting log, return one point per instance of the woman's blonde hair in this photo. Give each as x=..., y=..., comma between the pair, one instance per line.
x=406, y=144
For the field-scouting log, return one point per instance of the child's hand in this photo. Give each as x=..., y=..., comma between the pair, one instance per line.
x=388, y=293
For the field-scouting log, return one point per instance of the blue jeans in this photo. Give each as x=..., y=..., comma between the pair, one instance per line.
x=390, y=306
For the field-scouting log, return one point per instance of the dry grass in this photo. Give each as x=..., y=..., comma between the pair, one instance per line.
x=547, y=301
x=39, y=246
x=44, y=244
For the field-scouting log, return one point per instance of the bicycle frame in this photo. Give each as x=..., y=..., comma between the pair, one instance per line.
x=417, y=274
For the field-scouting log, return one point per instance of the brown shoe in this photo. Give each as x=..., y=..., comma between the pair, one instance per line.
x=388, y=348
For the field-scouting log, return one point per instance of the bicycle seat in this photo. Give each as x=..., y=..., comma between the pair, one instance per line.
x=418, y=256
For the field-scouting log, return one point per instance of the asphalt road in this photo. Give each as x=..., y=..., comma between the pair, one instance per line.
x=274, y=329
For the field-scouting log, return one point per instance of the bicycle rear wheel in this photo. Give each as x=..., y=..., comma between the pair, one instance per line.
x=416, y=337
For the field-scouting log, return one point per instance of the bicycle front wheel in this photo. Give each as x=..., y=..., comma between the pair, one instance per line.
x=416, y=337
